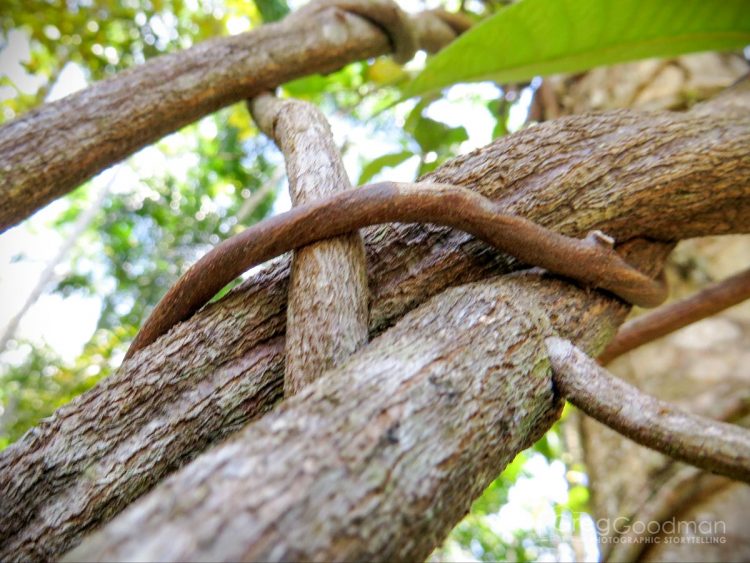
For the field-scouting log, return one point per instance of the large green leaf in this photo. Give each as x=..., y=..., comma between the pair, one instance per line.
x=540, y=37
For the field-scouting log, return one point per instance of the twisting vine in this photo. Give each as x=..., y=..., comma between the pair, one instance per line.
x=591, y=260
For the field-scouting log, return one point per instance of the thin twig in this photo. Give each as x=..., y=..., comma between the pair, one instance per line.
x=674, y=316
x=714, y=446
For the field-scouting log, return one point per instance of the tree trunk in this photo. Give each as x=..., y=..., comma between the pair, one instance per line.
x=628, y=174
x=706, y=374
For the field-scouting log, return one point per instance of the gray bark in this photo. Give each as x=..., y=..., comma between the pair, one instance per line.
x=627, y=480
x=327, y=302
x=379, y=459
x=52, y=149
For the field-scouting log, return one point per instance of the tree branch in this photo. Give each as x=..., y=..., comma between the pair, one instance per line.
x=674, y=316
x=56, y=147
x=714, y=446
x=377, y=459
x=666, y=176
x=327, y=305
x=591, y=260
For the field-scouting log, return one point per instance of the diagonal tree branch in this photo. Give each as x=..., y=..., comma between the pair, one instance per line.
x=674, y=316
x=377, y=459
x=714, y=446
x=54, y=148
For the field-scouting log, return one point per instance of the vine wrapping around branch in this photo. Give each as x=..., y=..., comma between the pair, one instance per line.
x=592, y=260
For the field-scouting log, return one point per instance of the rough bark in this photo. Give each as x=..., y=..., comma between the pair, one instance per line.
x=701, y=369
x=54, y=148
x=327, y=303
x=380, y=458
x=624, y=173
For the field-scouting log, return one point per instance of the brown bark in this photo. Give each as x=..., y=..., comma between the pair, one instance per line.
x=701, y=369
x=627, y=174
x=665, y=320
x=54, y=148
x=592, y=260
x=327, y=303
x=717, y=447
x=379, y=459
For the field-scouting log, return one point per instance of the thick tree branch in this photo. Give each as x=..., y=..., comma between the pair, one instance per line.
x=666, y=176
x=327, y=305
x=386, y=14
x=54, y=148
x=714, y=446
x=377, y=459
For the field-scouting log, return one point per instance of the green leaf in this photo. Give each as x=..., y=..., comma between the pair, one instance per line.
x=431, y=134
x=385, y=161
x=540, y=37
x=578, y=498
x=272, y=10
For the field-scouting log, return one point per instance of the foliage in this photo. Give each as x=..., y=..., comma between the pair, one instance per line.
x=150, y=238
x=43, y=382
x=540, y=37
x=145, y=234
x=272, y=10
x=106, y=36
